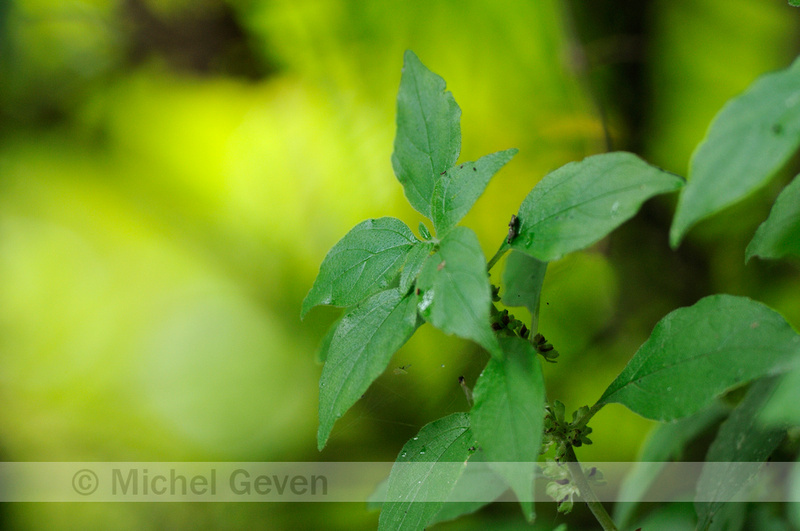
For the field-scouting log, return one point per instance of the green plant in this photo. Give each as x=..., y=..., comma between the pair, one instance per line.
x=392, y=282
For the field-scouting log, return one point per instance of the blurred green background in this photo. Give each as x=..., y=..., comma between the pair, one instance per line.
x=172, y=173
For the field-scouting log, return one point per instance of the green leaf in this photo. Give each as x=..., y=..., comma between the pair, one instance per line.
x=460, y=186
x=749, y=140
x=582, y=202
x=781, y=409
x=428, y=138
x=522, y=281
x=414, y=261
x=665, y=443
x=455, y=291
x=794, y=494
x=508, y=416
x=739, y=440
x=423, y=231
x=425, y=472
x=795, y=3
x=695, y=354
x=477, y=487
x=779, y=235
x=322, y=351
x=359, y=352
x=362, y=263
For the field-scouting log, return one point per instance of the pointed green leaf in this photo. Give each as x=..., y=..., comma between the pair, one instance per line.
x=455, y=291
x=522, y=282
x=457, y=190
x=695, y=354
x=666, y=442
x=508, y=416
x=428, y=138
x=423, y=231
x=364, y=262
x=739, y=440
x=582, y=202
x=749, y=140
x=414, y=260
x=425, y=472
x=779, y=235
x=364, y=342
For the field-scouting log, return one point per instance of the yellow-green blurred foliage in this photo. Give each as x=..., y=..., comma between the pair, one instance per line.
x=173, y=172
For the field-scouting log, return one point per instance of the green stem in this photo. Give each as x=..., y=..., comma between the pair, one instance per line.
x=585, y=420
x=587, y=493
x=498, y=255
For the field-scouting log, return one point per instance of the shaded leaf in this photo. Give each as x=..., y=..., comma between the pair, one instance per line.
x=457, y=190
x=522, y=281
x=364, y=342
x=425, y=472
x=781, y=409
x=779, y=235
x=694, y=354
x=582, y=202
x=794, y=494
x=455, y=291
x=738, y=441
x=508, y=416
x=362, y=263
x=428, y=138
x=665, y=443
x=749, y=140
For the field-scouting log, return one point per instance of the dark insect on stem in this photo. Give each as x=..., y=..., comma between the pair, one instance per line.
x=444, y=172
x=512, y=228
x=474, y=168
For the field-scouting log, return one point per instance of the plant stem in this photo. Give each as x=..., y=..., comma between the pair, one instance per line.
x=498, y=255
x=587, y=493
x=585, y=420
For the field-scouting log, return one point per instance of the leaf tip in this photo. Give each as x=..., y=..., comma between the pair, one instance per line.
x=676, y=233
x=305, y=308
x=322, y=437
